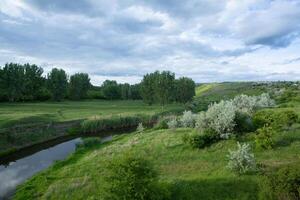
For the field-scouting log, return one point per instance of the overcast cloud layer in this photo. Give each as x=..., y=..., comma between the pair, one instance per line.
x=207, y=40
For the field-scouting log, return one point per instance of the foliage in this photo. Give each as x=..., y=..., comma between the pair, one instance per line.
x=21, y=82
x=276, y=119
x=200, y=140
x=97, y=124
x=284, y=183
x=184, y=89
x=111, y=90
x=79, y=85
x=57, y=84
x=162, y=123
x=219, y=117
x=188, y=119
x=140, y=128
x=243, y=123
x=164, y=87
x=241, y=160
x=161, y=87
x=263, y=138
x=173, y=123
x=132, y=176
x=148, y=88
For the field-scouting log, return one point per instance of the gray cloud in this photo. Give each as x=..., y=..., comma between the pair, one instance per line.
x=129, y=38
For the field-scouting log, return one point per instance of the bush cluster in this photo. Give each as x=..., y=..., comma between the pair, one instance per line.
x=89, y=142
x=201, y=140
x=132, y=177
x=283, y=183
x=277, y=120
x=263, y=138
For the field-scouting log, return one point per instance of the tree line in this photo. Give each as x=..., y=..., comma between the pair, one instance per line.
x=163, y=88
x=26, y=82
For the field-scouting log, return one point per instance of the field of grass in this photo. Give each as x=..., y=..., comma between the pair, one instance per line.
x=191, y=173
x=25, y=113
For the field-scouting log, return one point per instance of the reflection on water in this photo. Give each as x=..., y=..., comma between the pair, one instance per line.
x=18, y=171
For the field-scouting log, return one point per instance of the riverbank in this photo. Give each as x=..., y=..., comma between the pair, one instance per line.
x=25, y=132
x=190, y=173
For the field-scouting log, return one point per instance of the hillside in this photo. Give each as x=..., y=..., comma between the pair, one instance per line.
x=190, y=173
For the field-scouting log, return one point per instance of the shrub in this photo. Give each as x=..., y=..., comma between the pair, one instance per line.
x=188, y=119
x=140, y=128
x=162, y=123
x=243, y=123
x=131, y=176
x=173, y=123
x=248, y=104
x=281, y=184
x=263, y=138
x=244, y=103
x=89, y=142
x=219, y=117
x=241, y=160
x=264, y=101
x=200, y=140
x=275, y=119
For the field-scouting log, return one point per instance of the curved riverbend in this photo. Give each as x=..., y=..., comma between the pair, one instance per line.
x=18, y=168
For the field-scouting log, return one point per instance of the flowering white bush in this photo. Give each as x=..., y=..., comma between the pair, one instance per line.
x=173, y=124
x=248, y=104
x=241, y=160
x=264, y=100
x=219, y=117
x=244, y=103
x=140, y=128
x=188, y=119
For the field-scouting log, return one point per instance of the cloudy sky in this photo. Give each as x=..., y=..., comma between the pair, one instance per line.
x=207, y=40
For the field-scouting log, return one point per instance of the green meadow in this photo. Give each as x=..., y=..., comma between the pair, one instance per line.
x=190, y=173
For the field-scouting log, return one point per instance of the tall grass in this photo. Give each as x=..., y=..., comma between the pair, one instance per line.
x=114, y=123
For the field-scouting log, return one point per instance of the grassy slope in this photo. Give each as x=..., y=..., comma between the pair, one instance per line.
x=192, y=174
x=22, y=113
x=214, y=92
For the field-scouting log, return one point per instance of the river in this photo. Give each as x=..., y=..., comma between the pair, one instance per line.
x=17, y=168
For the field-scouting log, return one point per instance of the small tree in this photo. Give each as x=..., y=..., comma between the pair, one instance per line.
x=184, y=89
x=140, y=128
x=241, y=160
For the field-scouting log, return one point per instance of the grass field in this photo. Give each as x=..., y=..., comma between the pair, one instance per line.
x=191, y=173
x=24, y=113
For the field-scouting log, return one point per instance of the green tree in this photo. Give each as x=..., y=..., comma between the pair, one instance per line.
x=135, y=91
x=184, y=89
x=164, y=87
x=57, y=83
x=33, y=82
x=125, y=91
x=148, y=87
x=12, y=81
x=79, y=85
x=111, y=90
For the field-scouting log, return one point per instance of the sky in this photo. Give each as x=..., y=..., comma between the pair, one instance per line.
x=206, y=40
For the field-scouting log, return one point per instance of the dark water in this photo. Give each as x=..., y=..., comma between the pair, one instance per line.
x=15, y=170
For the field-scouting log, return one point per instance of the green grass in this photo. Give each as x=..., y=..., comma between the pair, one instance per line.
x=26, y=113
x=205, y=87
x=191, y=173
